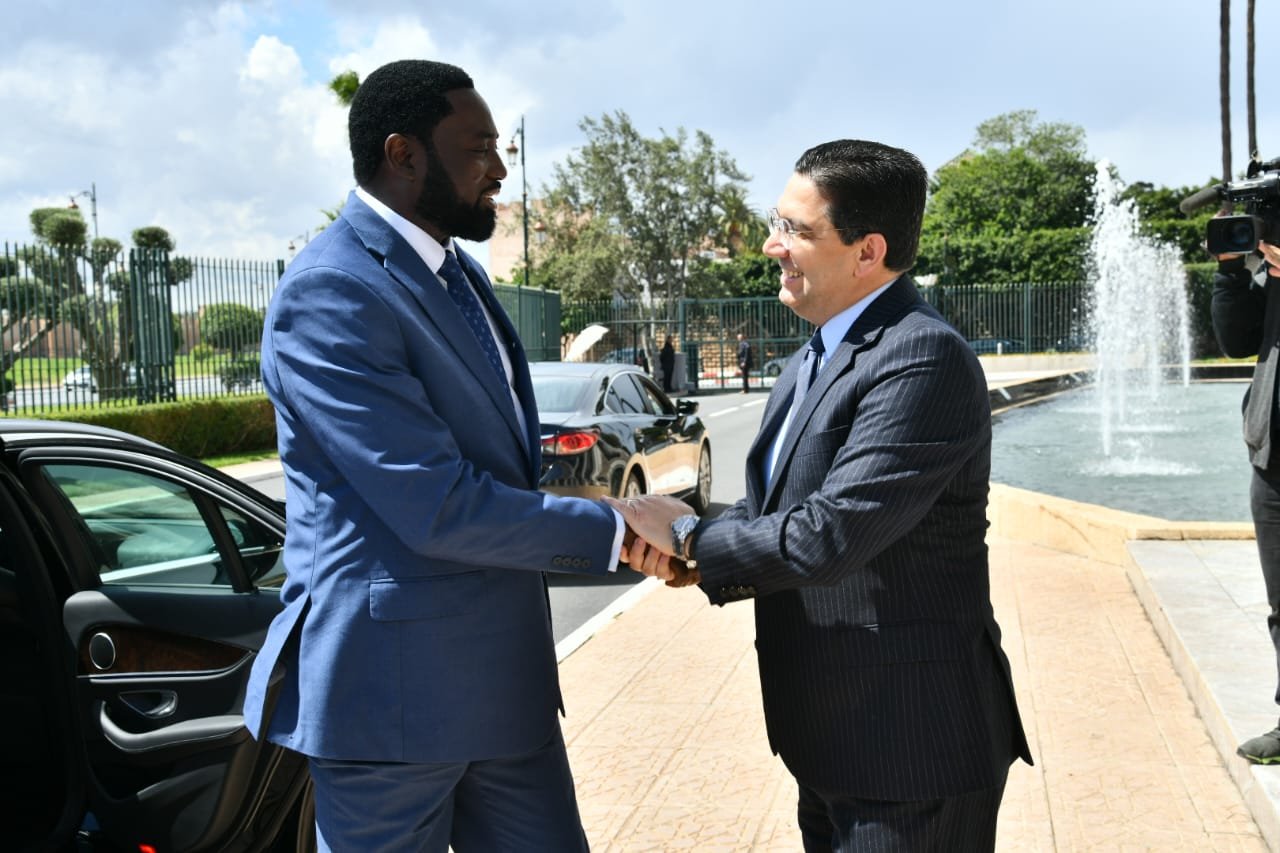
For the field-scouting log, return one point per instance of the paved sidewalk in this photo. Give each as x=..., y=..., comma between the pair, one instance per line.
x=666, y=734
x=667, y=741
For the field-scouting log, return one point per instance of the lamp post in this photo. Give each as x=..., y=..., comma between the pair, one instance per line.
x=512, y=151
x=92, y=195
x=305, y=237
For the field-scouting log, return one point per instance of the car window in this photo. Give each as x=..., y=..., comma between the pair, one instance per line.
x=145, y=529
x=657, y=402
x=557, y=393
x=261, y=550
x=624, y=397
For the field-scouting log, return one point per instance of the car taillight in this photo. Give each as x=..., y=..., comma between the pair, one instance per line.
x=569, y=443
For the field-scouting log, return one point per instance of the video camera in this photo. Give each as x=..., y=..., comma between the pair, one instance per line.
x=1260, y=194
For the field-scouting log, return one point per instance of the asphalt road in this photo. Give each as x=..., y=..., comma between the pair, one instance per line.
x=732, y=420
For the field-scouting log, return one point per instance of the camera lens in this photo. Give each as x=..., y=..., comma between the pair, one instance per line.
x=1241, y=235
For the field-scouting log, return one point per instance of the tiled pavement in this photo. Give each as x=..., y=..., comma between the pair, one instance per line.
x=1138, y=666
x=1139, y=654
x=667, y=739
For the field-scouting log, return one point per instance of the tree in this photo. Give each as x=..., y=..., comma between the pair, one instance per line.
x=1249, y=101
x=746, y=274
x=344, y=86
x=1021, y=177
x=231, y=326
x=45, y=284
x=1224, y=84
x=1160, y=217
x=740, y=229
x=638, y=210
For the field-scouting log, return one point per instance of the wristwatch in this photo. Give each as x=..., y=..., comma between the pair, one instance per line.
x=681, y=530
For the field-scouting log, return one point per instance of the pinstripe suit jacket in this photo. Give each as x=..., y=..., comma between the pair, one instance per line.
x=880, y=660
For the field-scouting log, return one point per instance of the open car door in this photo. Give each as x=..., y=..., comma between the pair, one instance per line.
x=173, y=574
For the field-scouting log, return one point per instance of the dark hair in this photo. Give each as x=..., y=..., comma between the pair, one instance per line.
x=871, y=187
x=405, y=97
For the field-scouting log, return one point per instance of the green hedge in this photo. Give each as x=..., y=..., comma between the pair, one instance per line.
x=199, y=428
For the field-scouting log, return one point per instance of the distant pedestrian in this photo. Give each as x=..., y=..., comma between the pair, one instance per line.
x=744, y=361
x=642, y=360
x=667, y=361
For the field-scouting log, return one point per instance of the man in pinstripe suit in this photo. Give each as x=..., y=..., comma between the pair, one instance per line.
x=862, y=535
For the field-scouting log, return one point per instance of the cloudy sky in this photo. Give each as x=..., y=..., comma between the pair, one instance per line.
x=214, y=119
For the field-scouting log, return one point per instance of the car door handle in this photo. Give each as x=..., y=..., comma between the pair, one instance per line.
x=187, y=733
x=152, y=704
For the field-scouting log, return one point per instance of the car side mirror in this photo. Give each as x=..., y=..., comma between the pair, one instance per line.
x=686, y=407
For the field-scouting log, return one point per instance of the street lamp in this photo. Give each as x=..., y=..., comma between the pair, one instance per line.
x=512, y=151
x=92, y=195
x=305, y=237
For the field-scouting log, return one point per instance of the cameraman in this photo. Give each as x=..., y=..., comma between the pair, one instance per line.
x=1246, y=321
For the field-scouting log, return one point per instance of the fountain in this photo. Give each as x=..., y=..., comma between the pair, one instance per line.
x=1133, y=440
x=1138, y=313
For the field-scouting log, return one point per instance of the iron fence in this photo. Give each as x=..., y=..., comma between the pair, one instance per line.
x=995, y=318
x=1027, y=317
x=143, y=326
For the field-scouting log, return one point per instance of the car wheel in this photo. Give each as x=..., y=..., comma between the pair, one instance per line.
x=634, y=487
x=772, y=370
x=700, y=500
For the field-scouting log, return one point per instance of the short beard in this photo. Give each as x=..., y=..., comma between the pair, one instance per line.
x=439, y=204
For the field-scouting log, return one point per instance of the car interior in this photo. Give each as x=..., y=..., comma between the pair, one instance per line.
x=37, y=767
x=143, y=649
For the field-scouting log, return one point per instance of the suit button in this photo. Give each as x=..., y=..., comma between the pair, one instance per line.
x=557, y=561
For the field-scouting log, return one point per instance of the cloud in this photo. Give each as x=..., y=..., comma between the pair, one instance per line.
x=214, y=119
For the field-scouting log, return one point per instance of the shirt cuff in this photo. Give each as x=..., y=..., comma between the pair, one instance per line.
x=617, y=540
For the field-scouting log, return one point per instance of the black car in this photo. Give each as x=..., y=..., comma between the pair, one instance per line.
x=136, y=587
x=607, y=429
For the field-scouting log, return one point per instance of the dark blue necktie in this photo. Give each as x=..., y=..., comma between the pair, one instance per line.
x=469, y=304
x=809, y=369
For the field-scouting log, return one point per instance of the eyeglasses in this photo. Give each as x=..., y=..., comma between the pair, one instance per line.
x=787, y=232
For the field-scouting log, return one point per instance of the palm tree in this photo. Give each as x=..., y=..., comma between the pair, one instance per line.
x=344, y=88
x=739, y=226
x=1224, y=83
x=1248, y=83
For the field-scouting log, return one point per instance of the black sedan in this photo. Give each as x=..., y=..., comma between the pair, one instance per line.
x=607, y=429
x=136, y=587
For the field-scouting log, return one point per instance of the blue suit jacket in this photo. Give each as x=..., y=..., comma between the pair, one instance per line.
x=415, y=624
x=880, y=661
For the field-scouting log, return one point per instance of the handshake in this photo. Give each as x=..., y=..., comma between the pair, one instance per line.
x=647, y=545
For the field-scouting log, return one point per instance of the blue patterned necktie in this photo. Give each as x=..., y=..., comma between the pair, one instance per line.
x=469, y=304
x=809, y=369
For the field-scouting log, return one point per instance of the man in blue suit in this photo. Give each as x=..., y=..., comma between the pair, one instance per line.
x=413, y=661
x=862, y=536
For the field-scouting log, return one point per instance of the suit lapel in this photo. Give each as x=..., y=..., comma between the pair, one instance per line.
x=863, y=334
x=406, y=267
x=519, y=360
x=775, y=412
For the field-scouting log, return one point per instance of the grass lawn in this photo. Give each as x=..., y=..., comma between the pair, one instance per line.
x=27, y=372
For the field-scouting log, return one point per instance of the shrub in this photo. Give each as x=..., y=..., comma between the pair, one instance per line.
x=201, y=352
x=199, y=428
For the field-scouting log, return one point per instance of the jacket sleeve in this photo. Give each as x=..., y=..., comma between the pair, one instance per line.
x=388, y=450
x=914, y=428
x=1238, y=309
